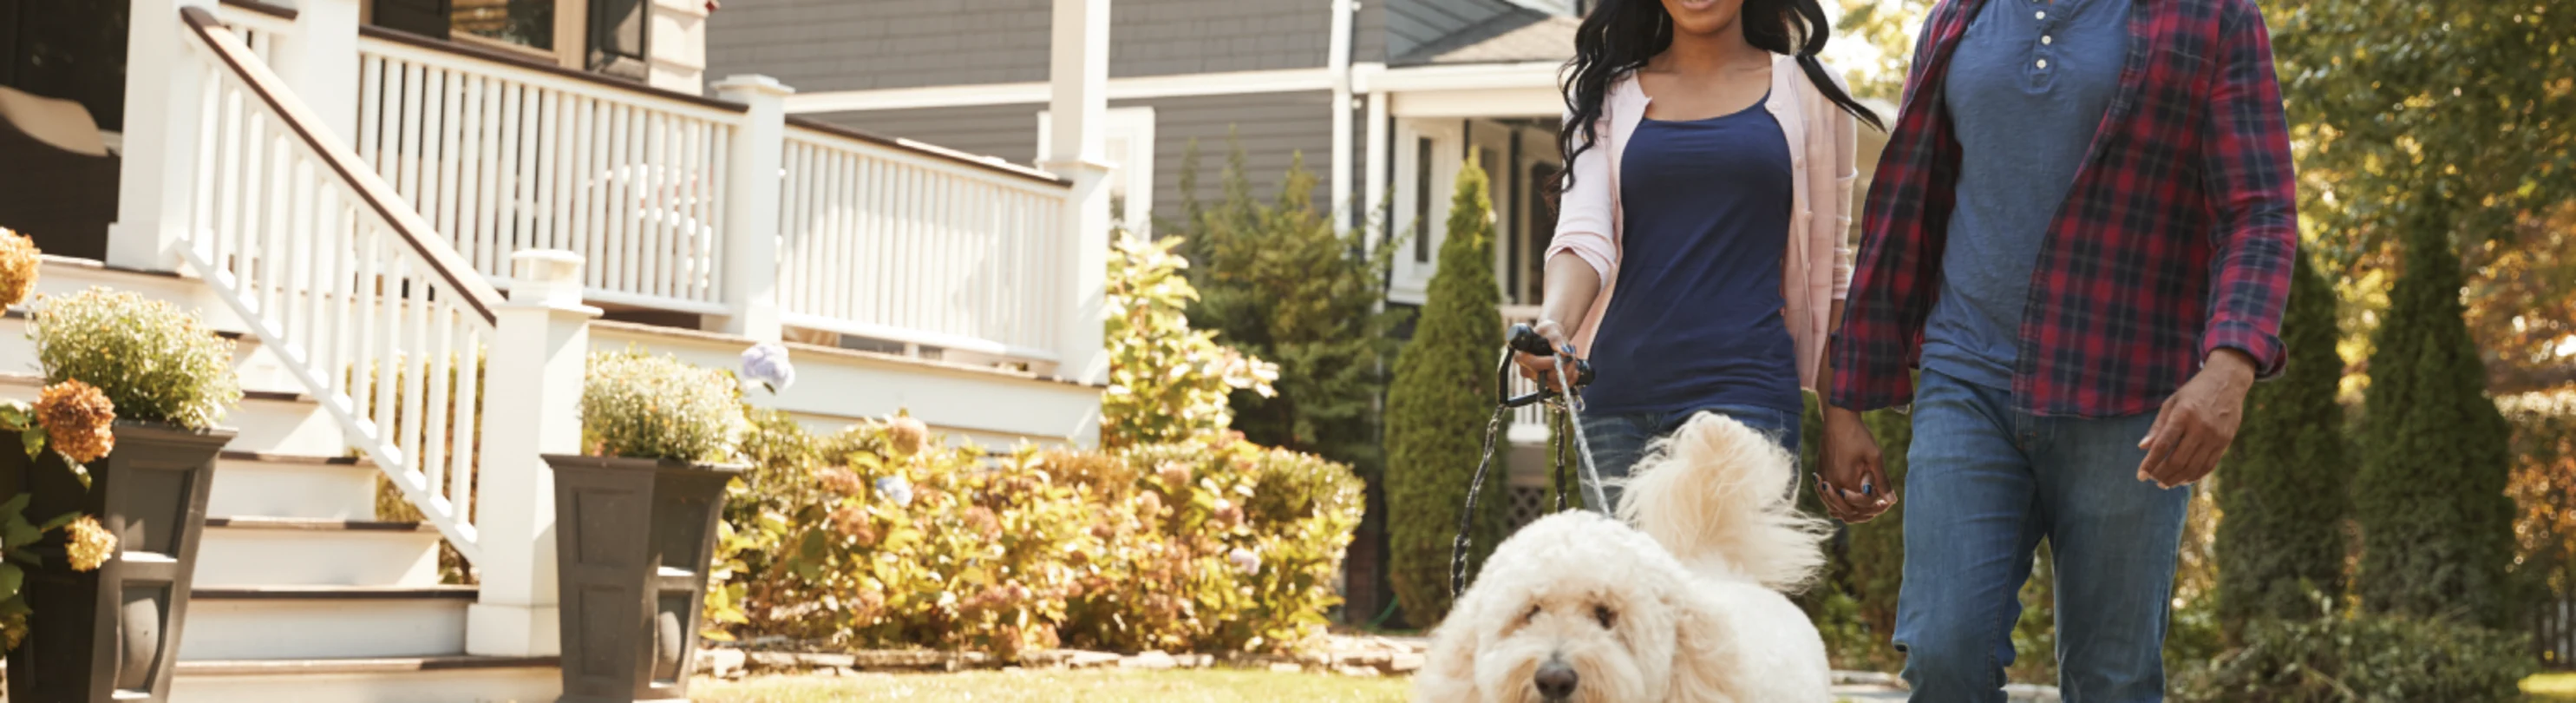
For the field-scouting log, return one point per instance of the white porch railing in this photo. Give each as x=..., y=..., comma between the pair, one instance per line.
x=905, y=244
x=352, y=290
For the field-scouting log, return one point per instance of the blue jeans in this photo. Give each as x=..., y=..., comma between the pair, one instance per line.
x=1619, y=440
x=1984, y=483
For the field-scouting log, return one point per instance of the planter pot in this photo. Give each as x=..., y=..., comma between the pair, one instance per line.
x=633, y=538
x=113, y=634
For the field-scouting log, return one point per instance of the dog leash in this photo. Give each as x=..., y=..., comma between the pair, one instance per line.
x=1568, y=421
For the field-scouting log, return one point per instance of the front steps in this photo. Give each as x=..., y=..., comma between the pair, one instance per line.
x=301, y=593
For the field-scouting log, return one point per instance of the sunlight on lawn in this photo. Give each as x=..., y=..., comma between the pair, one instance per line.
x=2551, y=688
x=1211, y=686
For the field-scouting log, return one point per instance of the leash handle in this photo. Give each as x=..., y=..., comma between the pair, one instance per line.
x=1526, y=339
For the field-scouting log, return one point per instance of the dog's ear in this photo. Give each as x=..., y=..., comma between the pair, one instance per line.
x=1449, y=667
x=1704, y=657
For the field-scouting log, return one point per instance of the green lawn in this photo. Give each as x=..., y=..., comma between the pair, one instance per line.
x=1194, y=686
x=2551, y=688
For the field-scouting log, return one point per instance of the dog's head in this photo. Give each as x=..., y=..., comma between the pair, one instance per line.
x=1574, y=608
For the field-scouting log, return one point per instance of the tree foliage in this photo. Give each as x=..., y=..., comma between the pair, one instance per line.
x=2284, y=494
x=1278, y=281
x=1167, y=382
x=1437, y=411
x=2437, y=527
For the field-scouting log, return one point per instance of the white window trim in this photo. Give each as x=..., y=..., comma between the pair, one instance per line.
x=1134, y=169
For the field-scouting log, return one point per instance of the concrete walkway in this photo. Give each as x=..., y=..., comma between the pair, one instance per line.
x=1873, y=687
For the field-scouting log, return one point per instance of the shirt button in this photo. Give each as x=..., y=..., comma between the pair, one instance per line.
x=2043, y=63
x=2045, y=40
x=2043, y=14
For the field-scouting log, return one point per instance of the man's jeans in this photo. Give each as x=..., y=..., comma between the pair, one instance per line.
x=1619, y=441
x=1985, y=482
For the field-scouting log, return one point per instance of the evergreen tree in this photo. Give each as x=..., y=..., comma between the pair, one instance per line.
x=1279, y=281
x=2284, y=482
x=1437, y=412
x=2437, y=528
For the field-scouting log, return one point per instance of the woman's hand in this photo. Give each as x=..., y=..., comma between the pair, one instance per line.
x=1852, y=482
x=1540, y=368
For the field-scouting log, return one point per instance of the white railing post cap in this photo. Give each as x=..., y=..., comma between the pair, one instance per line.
x=546, y=277
x=753, y=82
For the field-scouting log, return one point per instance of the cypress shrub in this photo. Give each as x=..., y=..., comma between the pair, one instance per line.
x=1437, y=411
x=2437, y=528
x=2284, y=493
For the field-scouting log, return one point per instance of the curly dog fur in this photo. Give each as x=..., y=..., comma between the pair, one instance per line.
x=1681, y=599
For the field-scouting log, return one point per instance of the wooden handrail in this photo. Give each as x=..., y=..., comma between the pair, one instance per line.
x=933, y=152
x=370, y=188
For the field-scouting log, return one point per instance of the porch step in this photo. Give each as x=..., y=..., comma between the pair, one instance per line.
x=268, y=421
x=294, y=622
x=268, y=551
x=295, y=486
x=434, y=679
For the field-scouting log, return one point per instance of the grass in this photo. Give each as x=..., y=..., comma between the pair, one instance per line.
x=2551, y=688
x=1193, y=686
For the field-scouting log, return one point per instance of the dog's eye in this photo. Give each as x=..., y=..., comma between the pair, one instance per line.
x=1604, y=614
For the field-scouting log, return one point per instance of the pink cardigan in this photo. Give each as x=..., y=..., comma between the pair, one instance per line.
x=1816, y=266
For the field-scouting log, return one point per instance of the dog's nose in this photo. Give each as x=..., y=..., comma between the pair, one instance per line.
x=1556, y=680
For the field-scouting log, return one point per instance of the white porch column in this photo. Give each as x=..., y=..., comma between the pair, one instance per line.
x=1079, y=72
x=538, y=353
x=1337, y=59
x=1378, y=168
x=164, y=91
x=751, y=236
x=320, y=62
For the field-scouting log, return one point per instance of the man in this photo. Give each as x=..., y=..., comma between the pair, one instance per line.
x=2080, y=234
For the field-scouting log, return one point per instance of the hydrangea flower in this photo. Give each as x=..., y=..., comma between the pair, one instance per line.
x=894, y=488
x=1245, y=560
x=766, y=362
x=88, y=544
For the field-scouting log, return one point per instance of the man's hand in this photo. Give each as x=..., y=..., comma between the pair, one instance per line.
x=2198, y=422
x=1853, y=482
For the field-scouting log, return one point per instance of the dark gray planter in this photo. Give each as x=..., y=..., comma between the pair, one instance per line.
x=632, y=541
x=113, y=634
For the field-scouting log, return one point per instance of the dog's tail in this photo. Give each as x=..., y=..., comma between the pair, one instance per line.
x=1721, y=496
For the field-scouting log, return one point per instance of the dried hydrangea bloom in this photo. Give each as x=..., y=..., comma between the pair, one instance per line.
x=78, y=420
x=907, y=436
x=1228, y=514
x=89, y=545
x=1175, y=474
x=839, y=480
x=983, y=522
x=17, y=267
x=1244, y=560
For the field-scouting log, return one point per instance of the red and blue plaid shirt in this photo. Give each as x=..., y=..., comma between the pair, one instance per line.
x=2174, y=242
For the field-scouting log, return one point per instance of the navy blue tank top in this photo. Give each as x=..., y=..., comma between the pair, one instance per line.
x=1696, y=319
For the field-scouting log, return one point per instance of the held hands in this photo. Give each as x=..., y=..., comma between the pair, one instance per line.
x=1852, y=482
x=2198, y=422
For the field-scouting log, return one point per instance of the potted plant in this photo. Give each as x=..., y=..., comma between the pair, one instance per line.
x=636, y=522
x=134, y=388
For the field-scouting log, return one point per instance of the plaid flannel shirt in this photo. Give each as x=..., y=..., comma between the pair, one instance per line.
x=2174, y=241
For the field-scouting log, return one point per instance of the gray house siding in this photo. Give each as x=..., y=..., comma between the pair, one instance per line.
x=827, y=45
x=1273, y=129
x=1412, y=23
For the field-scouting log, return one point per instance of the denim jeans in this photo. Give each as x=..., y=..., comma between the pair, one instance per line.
x=1619, y=440
x=1984, y=483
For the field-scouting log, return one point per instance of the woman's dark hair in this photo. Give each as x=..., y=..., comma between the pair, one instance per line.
x=1620, y=35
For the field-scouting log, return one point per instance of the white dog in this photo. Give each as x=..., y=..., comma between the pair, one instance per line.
x=1686, y=607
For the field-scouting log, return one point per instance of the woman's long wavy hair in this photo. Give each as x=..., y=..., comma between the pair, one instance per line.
x=1620, y=35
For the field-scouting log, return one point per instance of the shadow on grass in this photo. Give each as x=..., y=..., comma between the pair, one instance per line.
x=1210, y=685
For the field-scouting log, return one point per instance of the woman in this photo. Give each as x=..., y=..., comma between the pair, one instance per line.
x=1699, y=253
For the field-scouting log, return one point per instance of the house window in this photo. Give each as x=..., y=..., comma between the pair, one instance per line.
x=1542, y=227
x=1127, y=143
x=1422, y=201
x=527, y=23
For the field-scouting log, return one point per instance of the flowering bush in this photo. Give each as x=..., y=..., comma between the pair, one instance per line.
x=881, y=537
x=154, y=362
x=17, y=267
x=1166, y=382
x=646, y=406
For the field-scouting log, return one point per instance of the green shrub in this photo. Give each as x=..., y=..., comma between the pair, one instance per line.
x=156, y=363
x=1437, y=412
x=2283, y=482
x=647, y=406
x=2544, y=484
x=1167, y=382
x=848, y=541
x=1866, y=565
x=2437, y=528
x=1280, y=281
x=2363, y=659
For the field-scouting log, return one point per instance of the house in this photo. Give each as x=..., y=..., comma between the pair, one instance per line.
x=1386, y=100
x=355, y=188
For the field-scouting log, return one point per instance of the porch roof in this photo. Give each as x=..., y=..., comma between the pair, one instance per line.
x=1511, y=37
